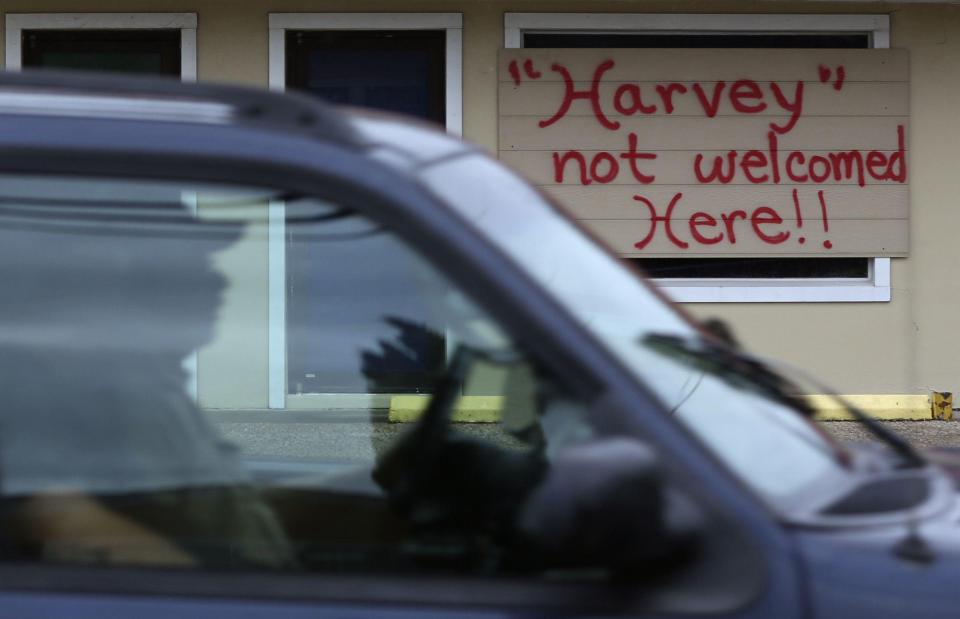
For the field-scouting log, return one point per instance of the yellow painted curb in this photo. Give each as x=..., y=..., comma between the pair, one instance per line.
x=486, y=409
x=470, y=408
x=942, y=405
x=889, y=407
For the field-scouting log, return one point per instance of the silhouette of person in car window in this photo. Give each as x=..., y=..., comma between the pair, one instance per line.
x=103, y=456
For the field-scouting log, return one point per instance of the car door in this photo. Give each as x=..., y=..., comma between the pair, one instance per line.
x=122, y=495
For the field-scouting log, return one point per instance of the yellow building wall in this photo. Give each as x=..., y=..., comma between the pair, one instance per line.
x=909, y=345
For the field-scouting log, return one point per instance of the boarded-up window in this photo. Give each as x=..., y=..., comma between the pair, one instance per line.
x=669, y=107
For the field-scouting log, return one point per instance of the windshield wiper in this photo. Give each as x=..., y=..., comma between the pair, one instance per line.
x=752, y=374
x=732, y=367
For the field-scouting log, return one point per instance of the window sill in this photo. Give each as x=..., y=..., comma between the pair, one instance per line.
x=874, y=289
x=740, y=292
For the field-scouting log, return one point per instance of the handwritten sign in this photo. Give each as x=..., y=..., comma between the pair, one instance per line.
x=717, y=152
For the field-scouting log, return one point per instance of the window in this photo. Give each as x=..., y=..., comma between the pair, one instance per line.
x=506, y=475
x=384, y=299
x=402, y=63
x=139, y=43
x=729, y=279
x=150, y=43
x=106, y=462
x=395, y=71
x=349, y=34
x=145, y=52
x=704, y=40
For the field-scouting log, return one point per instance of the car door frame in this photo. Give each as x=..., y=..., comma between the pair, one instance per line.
x=297, y=163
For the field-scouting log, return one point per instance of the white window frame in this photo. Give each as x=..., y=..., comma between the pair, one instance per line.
x=186, y=23
x=279, y=23
x=450, y=23
x=876, y=286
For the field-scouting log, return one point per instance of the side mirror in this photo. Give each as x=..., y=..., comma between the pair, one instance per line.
x=603, y=504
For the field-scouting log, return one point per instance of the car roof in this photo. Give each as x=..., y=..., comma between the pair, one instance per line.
x=46, y=92
x=415, y=142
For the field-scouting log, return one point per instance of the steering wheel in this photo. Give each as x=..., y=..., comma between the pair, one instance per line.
x=437, y=477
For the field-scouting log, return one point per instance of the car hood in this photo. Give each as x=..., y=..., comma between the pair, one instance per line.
x=891, y=569
x=948, y=459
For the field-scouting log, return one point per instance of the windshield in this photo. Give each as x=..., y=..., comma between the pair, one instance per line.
x=742, y=425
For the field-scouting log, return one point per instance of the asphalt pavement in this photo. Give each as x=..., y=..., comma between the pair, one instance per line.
x=360, y=438
x=332, y=437
x=924, y=434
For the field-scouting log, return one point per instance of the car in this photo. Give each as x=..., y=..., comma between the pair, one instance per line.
x=265, y=357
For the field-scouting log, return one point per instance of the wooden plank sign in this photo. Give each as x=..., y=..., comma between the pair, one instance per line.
x=710, y=152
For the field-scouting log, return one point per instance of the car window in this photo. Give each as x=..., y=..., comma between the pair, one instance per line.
x=138, y=326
